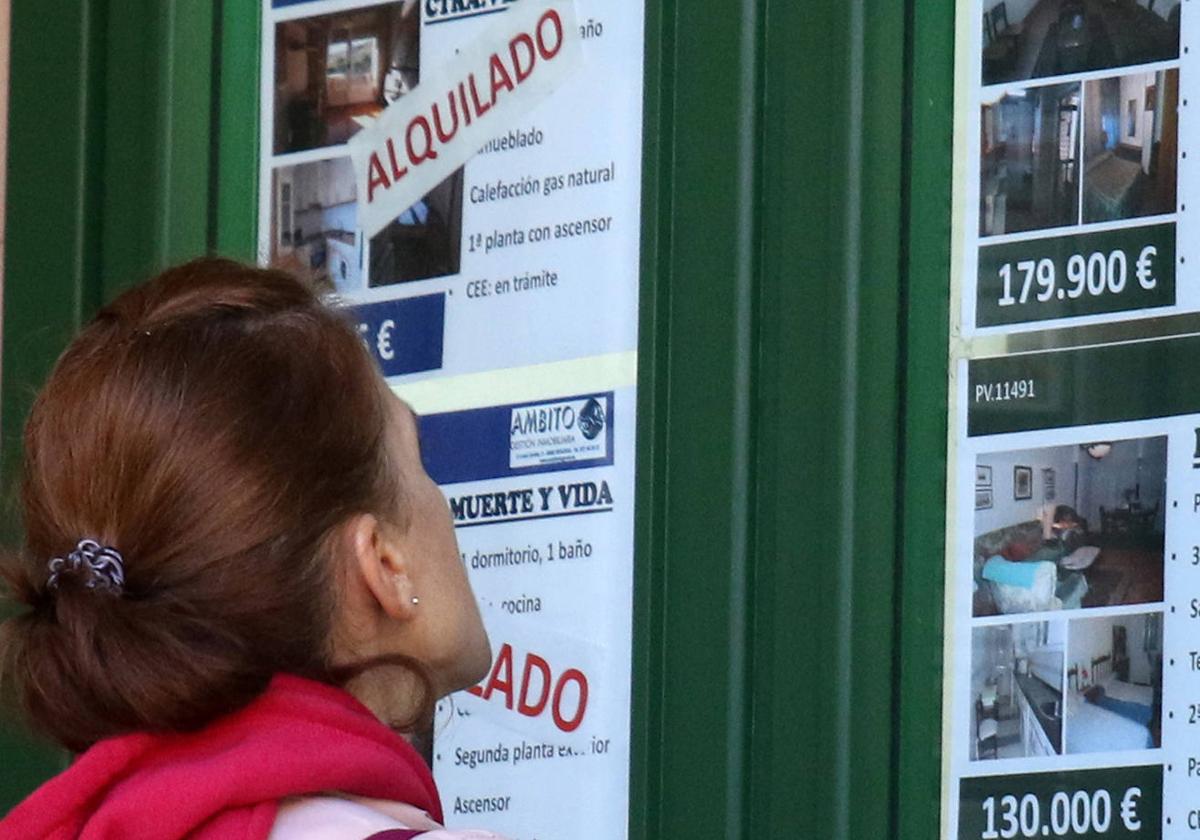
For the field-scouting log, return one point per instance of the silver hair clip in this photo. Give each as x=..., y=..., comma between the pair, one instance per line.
x=103, y=565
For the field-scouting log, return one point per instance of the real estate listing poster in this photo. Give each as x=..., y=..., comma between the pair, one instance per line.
x=1074, y=129
x=1073, y=494
x=501, y=302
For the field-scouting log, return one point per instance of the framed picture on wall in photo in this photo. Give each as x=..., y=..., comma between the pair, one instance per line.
x=983, y=476
x=983, y=498
x=1022, y=483
x=1049, y=489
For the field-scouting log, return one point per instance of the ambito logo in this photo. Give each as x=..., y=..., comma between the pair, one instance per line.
x=591, y=419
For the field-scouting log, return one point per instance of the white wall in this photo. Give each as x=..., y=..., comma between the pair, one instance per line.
x=1134, y=87
x=1162, y=8
x=1015, y=9
x=1092, y=637
x=990, y=647
x=1008, y=511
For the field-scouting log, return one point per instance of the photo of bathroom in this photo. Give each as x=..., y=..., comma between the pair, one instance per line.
x=1017, y=690
x=1029, y=159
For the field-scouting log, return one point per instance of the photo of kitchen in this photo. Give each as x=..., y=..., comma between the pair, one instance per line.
x=1017, y=690
x=334, y=72
x=313, y=223
x=1130, y=145
x=1114, y=683
x=1029, y=159
x=422, y=242
x=1033, y=39
x=1069, y=527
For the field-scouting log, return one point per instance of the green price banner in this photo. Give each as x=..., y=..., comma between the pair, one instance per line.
x=1084, y=386
x=1080, y=274
x=1114, y=803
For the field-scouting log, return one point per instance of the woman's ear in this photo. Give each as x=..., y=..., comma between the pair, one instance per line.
x=382, y=565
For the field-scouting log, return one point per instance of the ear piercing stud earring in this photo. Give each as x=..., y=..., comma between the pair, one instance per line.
x=416, y=600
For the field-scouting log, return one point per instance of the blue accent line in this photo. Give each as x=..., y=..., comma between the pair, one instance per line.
x=531, y=518
x=467, y=15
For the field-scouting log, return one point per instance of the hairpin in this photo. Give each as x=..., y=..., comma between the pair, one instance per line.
x=103, y=565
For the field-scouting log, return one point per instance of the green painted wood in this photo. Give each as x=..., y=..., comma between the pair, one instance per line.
x=109, y=167
x=647, y=724
x=158, y=144
x=771, y=400
x=51, y=251
x=235, y=219
x=927, y=196
x=829, y=420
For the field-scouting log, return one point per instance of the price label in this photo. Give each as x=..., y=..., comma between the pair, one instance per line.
x=1118, y=802
x=1076, y=275
x=404, y=336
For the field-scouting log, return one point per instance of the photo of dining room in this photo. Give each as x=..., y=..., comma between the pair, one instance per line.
x=1114, y=683
x=1029, y=159
x=422, y=242
x=335, y=72
x=1017, y=690
x=1130, y=145
x=1069, y=527
x=1034, y=39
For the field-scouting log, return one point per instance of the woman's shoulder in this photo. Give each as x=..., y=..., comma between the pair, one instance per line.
x=353, y=818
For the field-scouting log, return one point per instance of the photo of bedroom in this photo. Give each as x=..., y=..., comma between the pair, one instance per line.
x=422, y=242
x=1017, y=690
x=333, y=72
x=1029, y=160
x=1070, y=527
x=1130, y=144
x=1032, y=39
x=313, y=223
x=1114, y=683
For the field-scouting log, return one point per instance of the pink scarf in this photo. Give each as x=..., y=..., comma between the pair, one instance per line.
x=225, y=781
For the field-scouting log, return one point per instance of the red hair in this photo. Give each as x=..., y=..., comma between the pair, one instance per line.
x=215, y=425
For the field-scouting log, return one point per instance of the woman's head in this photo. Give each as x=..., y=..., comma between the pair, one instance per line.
x=1066, y=516
x=228, y=434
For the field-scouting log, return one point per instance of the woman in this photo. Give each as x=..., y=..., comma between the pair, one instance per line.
x=235, y=572
x=1063, y=532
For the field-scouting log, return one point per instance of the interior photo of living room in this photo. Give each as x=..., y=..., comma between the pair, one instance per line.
x=333, y=72
x=1017, y=690
x=1114, y=683
x=1069, y=527
x=1130, y=145
x=1033, y=39
x=1029, y=159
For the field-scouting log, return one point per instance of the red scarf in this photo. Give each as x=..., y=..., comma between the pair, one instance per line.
x=225, y=781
